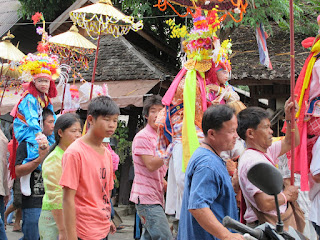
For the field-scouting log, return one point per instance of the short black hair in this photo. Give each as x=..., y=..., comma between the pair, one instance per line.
x=250, y=117
x=45, y=113
x=149, y=102
x=63, y=122
x=215, y=116
x=102, y=106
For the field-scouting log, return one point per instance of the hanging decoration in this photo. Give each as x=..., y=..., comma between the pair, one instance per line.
x=103, y=18
x=72, y=48
x=233, y=8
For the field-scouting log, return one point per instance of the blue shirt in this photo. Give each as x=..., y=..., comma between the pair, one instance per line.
x=207, y=185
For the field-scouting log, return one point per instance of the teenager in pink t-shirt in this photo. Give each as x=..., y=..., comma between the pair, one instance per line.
x=255, y=128
x=147, y=190
x=87, y=177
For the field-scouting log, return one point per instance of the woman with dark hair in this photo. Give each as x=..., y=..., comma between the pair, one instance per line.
x=66, y=130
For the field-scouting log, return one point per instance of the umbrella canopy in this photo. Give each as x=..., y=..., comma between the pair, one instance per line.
x=103, y=18
x=73, y=40
x=9, y=72
x=8, y=51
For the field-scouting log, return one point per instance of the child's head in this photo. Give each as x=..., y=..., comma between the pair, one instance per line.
x=217, y=75
x=151, y=107
x=103, y=115
x=222, y=76
x=40, y=71
x=67, y=129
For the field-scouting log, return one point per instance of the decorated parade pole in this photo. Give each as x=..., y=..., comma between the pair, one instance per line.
x=5, y=85
x=292, y=84
x=95, y=62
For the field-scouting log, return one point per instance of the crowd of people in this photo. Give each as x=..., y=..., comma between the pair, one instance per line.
x=67, y=194
x=63, y=178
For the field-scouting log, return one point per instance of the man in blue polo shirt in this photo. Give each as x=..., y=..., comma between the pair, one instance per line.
x=208, y=194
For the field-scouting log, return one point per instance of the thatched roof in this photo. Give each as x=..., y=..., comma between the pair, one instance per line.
x=8, y=15
x=245, y=58
x=120, y=60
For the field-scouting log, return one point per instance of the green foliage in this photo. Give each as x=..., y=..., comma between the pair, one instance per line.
x=263, y=11
x=123, y=146
x=243, y=87
x=154, y=20
x=268, y=12
x=51, y=9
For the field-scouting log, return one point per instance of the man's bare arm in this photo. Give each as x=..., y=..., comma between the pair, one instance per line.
x=210, y=223
x=266, y=202
x=286, y=142
x=29, y=167
x=152, y=163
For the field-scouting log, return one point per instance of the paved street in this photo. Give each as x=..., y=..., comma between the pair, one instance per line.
x=125, y=233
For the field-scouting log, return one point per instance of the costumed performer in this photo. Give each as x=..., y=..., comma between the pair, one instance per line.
x=307, y=155
x=185, y=102
x=307, y=90
x=219, y=91
x=39, y=71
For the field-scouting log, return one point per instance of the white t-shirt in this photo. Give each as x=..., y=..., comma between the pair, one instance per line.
x=314, y=193
x=248, y=159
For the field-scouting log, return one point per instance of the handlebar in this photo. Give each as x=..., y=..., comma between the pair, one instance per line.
x=228, y=222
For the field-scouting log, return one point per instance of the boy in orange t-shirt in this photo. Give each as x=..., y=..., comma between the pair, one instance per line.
x=87, y=177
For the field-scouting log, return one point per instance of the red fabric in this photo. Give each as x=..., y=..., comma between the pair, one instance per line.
x=307, y=43
x=301, y=161
x=52, y=90
x=33, y=90
x=12, y=148
x=243, y=208
x=299, y=152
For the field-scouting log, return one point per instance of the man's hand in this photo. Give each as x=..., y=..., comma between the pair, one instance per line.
x=289, y=104
x=291, y=193
x=113, y=228
x=165, y=184
x=43, y=151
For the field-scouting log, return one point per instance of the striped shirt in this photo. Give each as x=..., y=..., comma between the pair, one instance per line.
x=147, y=186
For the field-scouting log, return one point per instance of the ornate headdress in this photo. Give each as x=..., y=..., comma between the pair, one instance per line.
x=199, y=43
x=202, y=45
x=40, y=65
x=221, y=54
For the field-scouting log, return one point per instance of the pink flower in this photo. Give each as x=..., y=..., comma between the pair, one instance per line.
x=39, y=30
